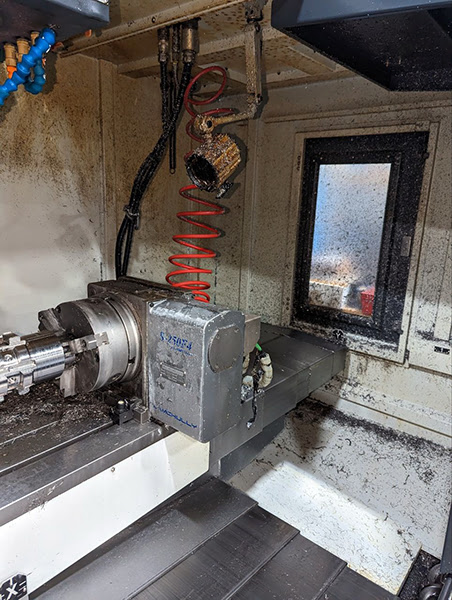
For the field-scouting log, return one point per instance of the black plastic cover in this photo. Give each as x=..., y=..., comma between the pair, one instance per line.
x=403, y=45
x=68, y=17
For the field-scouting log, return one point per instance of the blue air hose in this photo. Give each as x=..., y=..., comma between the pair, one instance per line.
x=32, y=60
x=35, y=85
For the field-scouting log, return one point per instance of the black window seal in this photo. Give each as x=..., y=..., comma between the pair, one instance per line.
x=407, y=153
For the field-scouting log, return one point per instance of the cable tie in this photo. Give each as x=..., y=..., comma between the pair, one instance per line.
x=133, y=216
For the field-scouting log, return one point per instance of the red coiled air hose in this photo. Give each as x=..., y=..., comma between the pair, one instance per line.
x=198, y=287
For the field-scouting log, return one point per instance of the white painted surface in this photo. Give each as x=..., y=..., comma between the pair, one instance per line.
x=408, y=399
x=50, y=194
x=53, y=536
x=376, y=378
x=431, y=325
x=338, y=523
x=368, y=495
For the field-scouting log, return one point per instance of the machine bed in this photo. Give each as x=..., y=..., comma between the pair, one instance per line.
x=214, y=542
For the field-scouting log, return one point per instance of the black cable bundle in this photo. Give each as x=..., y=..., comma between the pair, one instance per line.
x=165, y=89
x=172, y=140
x=174, y=87
x=147, y=171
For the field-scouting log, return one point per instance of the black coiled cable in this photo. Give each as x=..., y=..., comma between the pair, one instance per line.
x=145, y=175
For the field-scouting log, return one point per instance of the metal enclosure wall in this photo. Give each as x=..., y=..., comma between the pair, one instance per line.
x=257, y=253
x=411, y=395
x=51, y=193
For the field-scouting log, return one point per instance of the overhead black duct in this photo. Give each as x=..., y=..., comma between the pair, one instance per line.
x=400, y=44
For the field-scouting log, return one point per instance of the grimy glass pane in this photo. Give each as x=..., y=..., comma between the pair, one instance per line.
x=350, y=211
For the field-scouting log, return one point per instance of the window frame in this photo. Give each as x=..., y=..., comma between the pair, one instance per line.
x=407, y=152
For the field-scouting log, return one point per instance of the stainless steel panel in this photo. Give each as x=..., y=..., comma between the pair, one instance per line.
x=296, y=354
x=252, y=333
x=270, y=332
x=288, y=13
x=339, y=352
x=44, y=479
x=71, y=17
x=301, y=364
x=231, y=464
x=44, y=439
x=234, y=437
x=402, y=45
x=282, y=398
x=351, y=585
x=225, y=562
x=321, y=372
x=146, y=550
x=301, y=570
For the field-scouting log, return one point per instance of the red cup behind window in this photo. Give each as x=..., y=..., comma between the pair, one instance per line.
x=367, y=301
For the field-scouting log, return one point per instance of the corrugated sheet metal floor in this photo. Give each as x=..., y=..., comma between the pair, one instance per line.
x=212, y=543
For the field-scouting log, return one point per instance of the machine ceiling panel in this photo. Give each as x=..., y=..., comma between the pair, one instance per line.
x=68, y=17
x=403, y=45
x=131, y=42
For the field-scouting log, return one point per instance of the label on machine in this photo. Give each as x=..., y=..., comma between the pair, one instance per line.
x=14, y=587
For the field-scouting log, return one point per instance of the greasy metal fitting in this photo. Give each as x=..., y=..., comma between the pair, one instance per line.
x=190, y=40
x=23, y=47
x=254, y=10
x=10, y=55
x=176, y=44
x=163, y=44
x=210, y=165
x=204, y=125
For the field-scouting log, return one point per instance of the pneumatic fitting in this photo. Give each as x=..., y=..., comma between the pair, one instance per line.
x=163, y=44
x=190, y=40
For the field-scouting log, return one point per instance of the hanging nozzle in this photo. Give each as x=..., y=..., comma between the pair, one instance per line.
x=210, y=165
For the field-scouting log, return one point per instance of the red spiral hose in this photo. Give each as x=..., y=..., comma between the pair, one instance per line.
x=196, y=286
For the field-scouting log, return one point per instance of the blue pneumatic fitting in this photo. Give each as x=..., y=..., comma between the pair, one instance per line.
x=30, y=61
